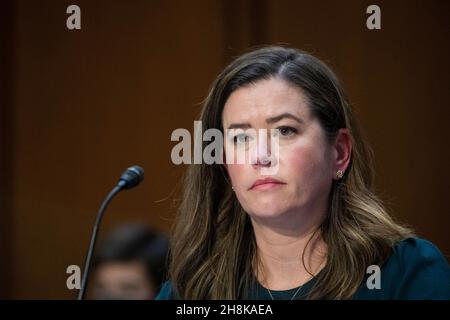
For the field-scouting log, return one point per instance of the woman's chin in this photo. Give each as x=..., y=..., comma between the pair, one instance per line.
x=267, y=212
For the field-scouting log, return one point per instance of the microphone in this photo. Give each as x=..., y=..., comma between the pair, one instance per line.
x=131, y=178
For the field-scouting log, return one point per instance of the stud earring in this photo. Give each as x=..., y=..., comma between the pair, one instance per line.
x=339, y=174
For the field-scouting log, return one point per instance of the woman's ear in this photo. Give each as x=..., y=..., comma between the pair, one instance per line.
x=343, y=150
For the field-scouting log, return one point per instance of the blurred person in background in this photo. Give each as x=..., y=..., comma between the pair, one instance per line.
x=130, y=264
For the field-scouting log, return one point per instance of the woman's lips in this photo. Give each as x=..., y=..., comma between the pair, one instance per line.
x=265, y=184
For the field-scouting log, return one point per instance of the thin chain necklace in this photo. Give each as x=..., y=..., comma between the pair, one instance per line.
x=296, y=292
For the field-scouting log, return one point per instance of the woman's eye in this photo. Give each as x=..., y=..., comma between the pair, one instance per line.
x=241, y=138
x=287, y=131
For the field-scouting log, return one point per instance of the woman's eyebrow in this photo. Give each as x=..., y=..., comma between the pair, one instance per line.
x=239, y=126
x=282, y=116
x=268, y=120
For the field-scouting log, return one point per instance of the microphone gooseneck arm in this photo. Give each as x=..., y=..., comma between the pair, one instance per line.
x=88, y=263
x=132, y=177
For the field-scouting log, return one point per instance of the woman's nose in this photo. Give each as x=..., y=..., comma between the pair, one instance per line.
x=261, y=155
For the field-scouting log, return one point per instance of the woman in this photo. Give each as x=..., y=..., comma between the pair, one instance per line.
x=313, y=229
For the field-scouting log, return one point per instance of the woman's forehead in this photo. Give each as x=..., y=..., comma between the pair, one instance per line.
x=264, y=100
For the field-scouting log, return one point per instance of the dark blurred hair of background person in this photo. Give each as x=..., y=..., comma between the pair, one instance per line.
x=129, y=264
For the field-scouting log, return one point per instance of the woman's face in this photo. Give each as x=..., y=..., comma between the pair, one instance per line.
x=307, y=162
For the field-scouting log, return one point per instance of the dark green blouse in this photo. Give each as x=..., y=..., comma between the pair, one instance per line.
x=415, y=270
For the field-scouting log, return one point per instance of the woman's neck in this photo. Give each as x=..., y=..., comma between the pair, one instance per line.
x=280, y=251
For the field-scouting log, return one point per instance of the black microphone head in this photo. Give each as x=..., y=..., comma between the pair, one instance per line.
x=131, y=177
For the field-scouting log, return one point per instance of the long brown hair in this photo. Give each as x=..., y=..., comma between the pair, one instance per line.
x=213, y=246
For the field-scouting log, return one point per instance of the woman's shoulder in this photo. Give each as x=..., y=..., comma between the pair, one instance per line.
x=166, y=292
x=416, y=270
x=416, y=249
